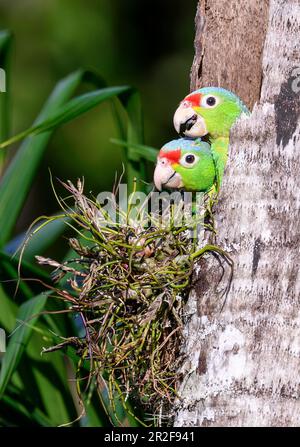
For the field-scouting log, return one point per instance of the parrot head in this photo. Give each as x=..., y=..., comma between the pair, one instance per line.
x=208, y=111
x=185, y=163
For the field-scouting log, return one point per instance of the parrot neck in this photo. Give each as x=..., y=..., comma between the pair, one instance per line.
x=219, y=148
x=218, y=139
x=222, y=140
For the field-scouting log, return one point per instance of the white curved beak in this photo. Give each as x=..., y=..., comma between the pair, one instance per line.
x=188, y=123
x=165, y=176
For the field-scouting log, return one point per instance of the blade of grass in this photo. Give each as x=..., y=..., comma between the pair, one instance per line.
x=11, y=272
x=8, y=311
x=118, y=416
x=93, y=417
x=139, y=150
x=42, y=239
x=26, y=319
x=27, y=268
x=33, y=414
x=5, y=46
x=130, y=100
x=72, y=109
x=136, y=168
x=44, y=378
x=18, y=177
x=51, y=380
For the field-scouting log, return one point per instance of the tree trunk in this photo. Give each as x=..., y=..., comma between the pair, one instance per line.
x=243, y=355
x=229, y=40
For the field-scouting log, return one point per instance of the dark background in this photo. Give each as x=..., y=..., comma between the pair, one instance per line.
x=147, y=44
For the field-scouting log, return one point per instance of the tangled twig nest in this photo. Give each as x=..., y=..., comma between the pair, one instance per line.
x=128, y=282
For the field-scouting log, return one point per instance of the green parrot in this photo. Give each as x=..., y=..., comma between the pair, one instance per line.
x=185, y=163
x=210, y=111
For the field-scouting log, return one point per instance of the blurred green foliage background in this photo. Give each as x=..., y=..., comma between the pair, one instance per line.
x=144, y=43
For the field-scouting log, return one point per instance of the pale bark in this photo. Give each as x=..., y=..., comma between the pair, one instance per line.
x=229, y=40
x=242, y=365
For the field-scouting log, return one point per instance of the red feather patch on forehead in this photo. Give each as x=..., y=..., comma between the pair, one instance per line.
x=194, y=99
x=172, y=156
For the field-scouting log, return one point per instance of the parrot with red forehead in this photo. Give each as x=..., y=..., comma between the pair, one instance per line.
x=211, y=112
x=185, y=163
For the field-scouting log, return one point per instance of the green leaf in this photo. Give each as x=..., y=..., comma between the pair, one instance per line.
x=115, y=411
x=41, y=237
x=56, y=397
x=5, y=46
x=26, y=319
x=136, y=168
x=17, y=402
x=93, y=417
x=44, y=379
x=140, y=151
x=26, y=267
x=18, y=177
x=118, y=416
x=72, y=109
x=8, y=311
x=10, y=272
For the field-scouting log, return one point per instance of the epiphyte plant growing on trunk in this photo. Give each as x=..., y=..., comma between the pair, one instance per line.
x=128, y=280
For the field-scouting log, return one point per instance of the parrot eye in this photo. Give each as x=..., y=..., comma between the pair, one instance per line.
x=189, y=160
x=209, y=101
